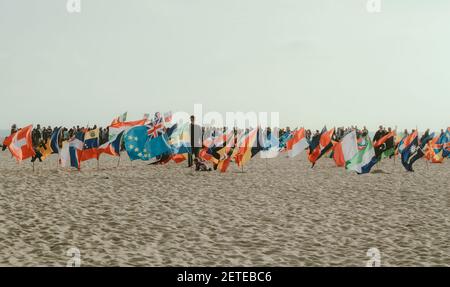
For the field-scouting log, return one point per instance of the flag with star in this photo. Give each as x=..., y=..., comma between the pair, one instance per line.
x=135, y=140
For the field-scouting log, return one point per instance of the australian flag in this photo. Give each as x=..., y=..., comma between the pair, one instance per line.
x=157, y=143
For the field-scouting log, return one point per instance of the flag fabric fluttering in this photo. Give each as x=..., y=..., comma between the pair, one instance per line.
x=90, y=145
x=444, y=143
x=120, y=119
x=244, y=147
x=319, y=145
x=364, y=159
x=156, y=126
x=43, y=151
x=157, y=143
x=54, y=140
x=224, y=152
x=117, y=128
x=434, y=151
x=6, y=142
x=413, y=151
x=135, y=140
x=178, y=140
x=284, y=138
x=345, y=149
x=157, y=146
x=270, y=146
x=385, y=146
x=20, y=144
x=76, y=150
x=297, y=143
x=112, y=147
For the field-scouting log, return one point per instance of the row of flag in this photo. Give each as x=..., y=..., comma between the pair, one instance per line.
x=157, y=138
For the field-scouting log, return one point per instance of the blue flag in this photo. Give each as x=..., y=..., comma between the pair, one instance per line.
x=158, y=146
x=54, y=140
x=135, y=143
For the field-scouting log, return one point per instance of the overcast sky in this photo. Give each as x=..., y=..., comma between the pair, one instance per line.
x=315, y=62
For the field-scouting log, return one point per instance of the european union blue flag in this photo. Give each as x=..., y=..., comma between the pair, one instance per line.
x=135, y=143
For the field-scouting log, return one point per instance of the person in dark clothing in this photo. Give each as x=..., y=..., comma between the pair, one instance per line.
x=4, y=143
x=200, y=165
x=36, y=135
x=196, y=141
x=381, y=132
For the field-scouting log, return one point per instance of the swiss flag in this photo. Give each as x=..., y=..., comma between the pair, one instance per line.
x=21, y=146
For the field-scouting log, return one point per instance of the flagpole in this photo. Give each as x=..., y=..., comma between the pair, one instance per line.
x=118, y=162
x=394, y=144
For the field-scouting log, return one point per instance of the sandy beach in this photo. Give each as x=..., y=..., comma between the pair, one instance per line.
x=278, y=212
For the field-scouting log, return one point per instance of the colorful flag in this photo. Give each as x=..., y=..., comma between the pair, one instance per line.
x=135, y=140
x=224, y=153
x=20, y=145
x=117, y=128
x=156, y=126
x=44, y=150
x=385, y=147
x=244, y=148
x=54, y=140
x=112, y=147
x=271, y=146
x=412, y=152
x=320, y=144
x=284, y=138
x=120, y=119
x=297, y=143
x=157, y=146
x=346, y=149
x=76, y=150
x=444, y=142
x=178, y=158
x=364, y=159
x=90, y=145
x=7, y=142
x=434, y=152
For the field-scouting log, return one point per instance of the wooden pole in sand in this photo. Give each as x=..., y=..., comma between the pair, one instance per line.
x=33, y=166
x=118, y=162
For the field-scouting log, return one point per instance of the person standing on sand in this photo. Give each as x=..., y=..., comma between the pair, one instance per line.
x=196, y=141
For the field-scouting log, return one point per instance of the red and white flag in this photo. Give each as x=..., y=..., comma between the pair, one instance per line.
x=297, y=143
x=21, y=146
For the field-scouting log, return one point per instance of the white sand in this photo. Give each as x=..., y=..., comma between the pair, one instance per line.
x=278, y=212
